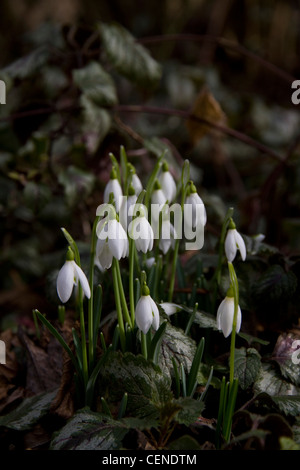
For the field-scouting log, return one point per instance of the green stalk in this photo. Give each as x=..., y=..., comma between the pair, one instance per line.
x=118, y=304
x=217, y=274
x=131, y=279
x=85, y=370
x=144, y=345
x=234, y=283
x=91, y=300
x=122, y=294
x=184, y=187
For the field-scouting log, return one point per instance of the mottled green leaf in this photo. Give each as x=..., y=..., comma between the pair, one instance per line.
x=96, y=123
x=147, y=387
x=270, y=381
x=25, y=66
x=246, y=366
x=88, y=430
x=29, y=412
x=286, y=347
x=190, y=410
x=78, y=184
x=274, y=285
x=176, y=344
x=96, y=84
x=127, y=56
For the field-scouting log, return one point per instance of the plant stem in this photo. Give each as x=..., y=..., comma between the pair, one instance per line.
x=91, y=300
x=131, y=279
x=144, y=345
x=235, y=285
x=85, y=370
x=118, y=304
x=122, y=294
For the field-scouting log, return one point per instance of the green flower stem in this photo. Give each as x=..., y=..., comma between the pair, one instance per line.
x=144, y=345
x=218, y=271
x=122, y=294
x=235, y=284
x=85, y=371
x=118, y=304
x=91, y=300
x=131, y=279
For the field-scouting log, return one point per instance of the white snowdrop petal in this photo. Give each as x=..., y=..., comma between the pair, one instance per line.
x=105, y=257
x=136, y=183
x=241, y=244
x=155, y=314
x=113, y=186
x=143, y=314
x=169, y=308
x=83, y=280
x=65, y=281
x=238, y=320
x=168, y=185
x=230, y=245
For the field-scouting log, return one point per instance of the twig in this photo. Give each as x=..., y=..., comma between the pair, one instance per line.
x=188, y=115
x=226, y=43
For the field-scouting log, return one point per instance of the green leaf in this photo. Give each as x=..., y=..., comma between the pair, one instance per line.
x=289, y=405
x=36, y=195
x=127, y=56
x=283, y=356
x=96, y=84
x=270, y=381
x=96, y=123
x=247, y=364
x=147, y=387
x=190, y=410
x=88, y=430
x=27, y=65
x=177, y=346
x=274, y=285
x=286, y=443
x=29, y=412
x=78, y=184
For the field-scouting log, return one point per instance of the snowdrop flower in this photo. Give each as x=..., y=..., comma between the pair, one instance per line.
x=225, y=315
x=141, y=232
x=127, y=207
x=169, y=308
x=167, y=183
x=113, y=187
x=167, y=236
x=69, y=275
x=233, y=242
x=104, y=257
x=158, y=201
x=136, y=183
x=146, y=312
x=112, y=242
x=195, y=205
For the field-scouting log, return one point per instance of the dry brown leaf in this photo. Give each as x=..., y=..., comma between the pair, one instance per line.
x=206, y=107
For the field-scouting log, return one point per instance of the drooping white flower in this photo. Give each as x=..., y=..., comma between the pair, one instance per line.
x=127, y=208
x=113, y=187
x=170, y=308
x=158, y=203
x=69, y=275
x=195, y=208
x=142, y=233
x=112, y=242
x=225, y=315
x=104, y=256
x=167, y=236
x=233, y=242
x=137, y=184
x=167, y=183
x=146, y=312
